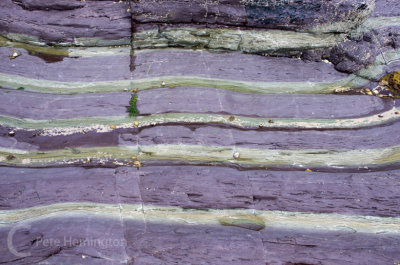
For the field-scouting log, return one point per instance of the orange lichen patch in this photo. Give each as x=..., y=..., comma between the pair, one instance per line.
x=137, y=164
x=113, y=127
x=368, y=92
x=308, y=170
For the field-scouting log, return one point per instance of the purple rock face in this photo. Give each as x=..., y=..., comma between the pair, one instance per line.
x=60, y=5
x=63, y=21
x=386, y=8
x=156, y=206
x=269, y=14
x=103, y=23
x=357, y=53
x=79, y=242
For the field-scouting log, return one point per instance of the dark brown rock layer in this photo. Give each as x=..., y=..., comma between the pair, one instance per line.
x=289, y=15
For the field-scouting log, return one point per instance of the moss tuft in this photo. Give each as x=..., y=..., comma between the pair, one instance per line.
x=132, y=109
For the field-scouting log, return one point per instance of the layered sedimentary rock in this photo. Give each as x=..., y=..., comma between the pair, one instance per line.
x=229, y=157
x=310, y=30
x=214, y=24
x=87, y=23
x=198, y=25
x=268, y=14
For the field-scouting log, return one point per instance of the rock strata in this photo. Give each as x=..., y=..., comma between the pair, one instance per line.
x=338, y=16
x=62, y=22
x=312, y=30
x=220, y=132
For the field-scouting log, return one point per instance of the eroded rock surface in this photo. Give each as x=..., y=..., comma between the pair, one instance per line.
x=234, y=25
x=229, y=158
x=87, y=23
x=269, y=14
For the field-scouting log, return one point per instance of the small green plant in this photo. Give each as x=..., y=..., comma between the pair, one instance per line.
x=20, y=88
x=133, y=111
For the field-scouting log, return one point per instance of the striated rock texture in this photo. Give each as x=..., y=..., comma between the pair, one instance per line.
x=211, y=25
x=269, y=14
x=75, y=22
x=359, y=52
x=337, y=31
x=264, y=132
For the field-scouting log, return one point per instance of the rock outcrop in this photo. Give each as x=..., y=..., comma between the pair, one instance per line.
x=315, y=15
x=199, y=132
x=312, y=30
x=62, y=22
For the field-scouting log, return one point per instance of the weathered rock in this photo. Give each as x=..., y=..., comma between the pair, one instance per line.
x=267, y=42
x=208, y=24
x=341, y=16
x=386, y=8
x=162, y=64
x=175, y=214
x=360, y=51
x=314, y=55
x=92, y=239
x=83, y=23
x=352, y=56
x=200, y=187
x=43, y=5
x=65, y=240
x=27, y=105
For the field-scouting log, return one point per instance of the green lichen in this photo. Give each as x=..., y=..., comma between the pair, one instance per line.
x=132, y=109
x=250, y=222
x=62, y=51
